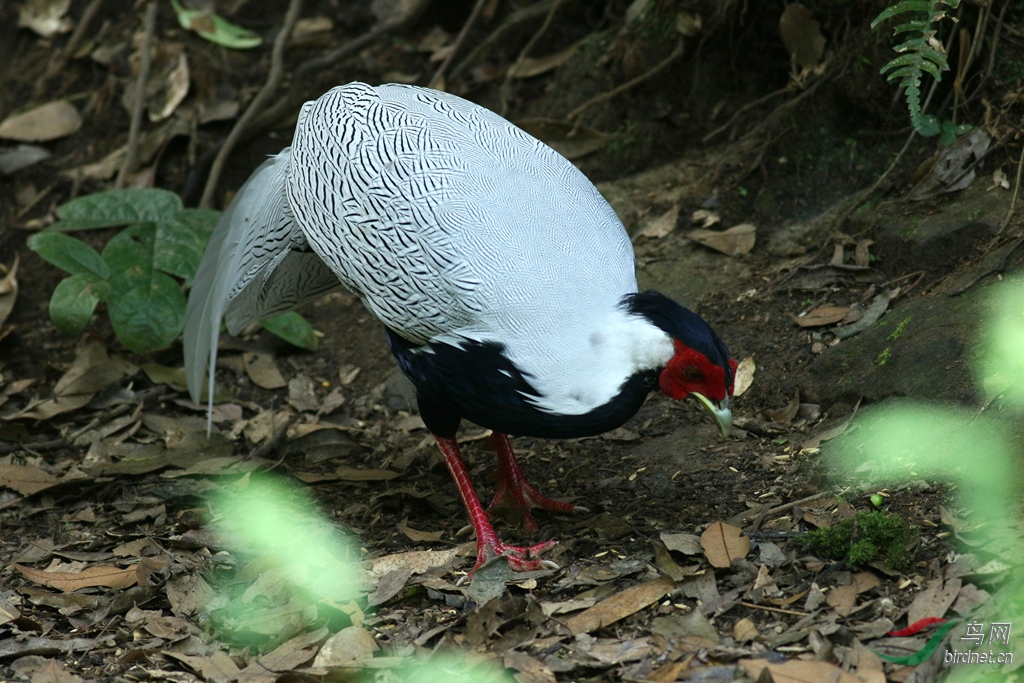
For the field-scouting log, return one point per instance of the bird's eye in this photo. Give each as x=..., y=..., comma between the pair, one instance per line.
x=693, y=373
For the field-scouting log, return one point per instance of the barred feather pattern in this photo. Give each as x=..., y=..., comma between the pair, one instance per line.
x=450, y=222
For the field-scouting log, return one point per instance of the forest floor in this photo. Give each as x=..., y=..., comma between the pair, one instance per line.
x=750, y=194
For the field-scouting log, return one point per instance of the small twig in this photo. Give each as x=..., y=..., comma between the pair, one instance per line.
x=61, y=58
x=789, y=506
x=993, y=48
x=275, y=441
x=742, y=110
x=284, y=104
x=140, y=97
x=506, y=84
x=271, y=84
x=517, y=17
x=31, y=446
x=438, y=80
x=628, y=84
x=1016, y=191
x=774, y=609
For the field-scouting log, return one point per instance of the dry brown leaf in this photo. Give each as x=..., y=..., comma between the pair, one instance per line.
x=822, y=315
x=705, y=217
x=934, y=600
x=620, y=605
x=92, y=371
x=666, y=565
x=290, y=655
x=216, y=668
x=737, y=240
x=785, y=415
x=954, y=167
x=668, y=673
x=262, y=370
x=48, y=121
x=302, y=394
x=9, y=290
x=531, y=669
x=687, y=544
x=417, y=561
x=45, y=17
x=799, y=671
x=535, y=66
x=54, y=672
x=168, y=82
x=722, y=543
x=566, y=606
x=348, y=645
x=842, y=599
x=8, y=612
x=612, y=651
x=24, y=479
x=744, y=376
x=744, y=630
x=801, y=35
x=96, y=575
x=345, y=473
x=660, y=226
x=143, y=547
x=418, y=536
x=865, y=581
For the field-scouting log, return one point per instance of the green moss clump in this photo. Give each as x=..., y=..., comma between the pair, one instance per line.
x=867, y=536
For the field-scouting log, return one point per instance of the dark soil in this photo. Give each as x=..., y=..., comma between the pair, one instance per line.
x=786, y=169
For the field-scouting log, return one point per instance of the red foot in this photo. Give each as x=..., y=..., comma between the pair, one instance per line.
x=514, y=491
x=520, y=558
x=488, y=545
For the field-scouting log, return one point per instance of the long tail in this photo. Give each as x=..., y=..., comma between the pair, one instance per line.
x=257, y=263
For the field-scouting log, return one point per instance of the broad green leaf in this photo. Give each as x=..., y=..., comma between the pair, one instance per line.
x=73, y=301
x=150, y=315
x=116, y=207
x=130, y=254
x=293, y=328
x=69, y=254
x=216, y=29
x=180, y=242
x=927, y=126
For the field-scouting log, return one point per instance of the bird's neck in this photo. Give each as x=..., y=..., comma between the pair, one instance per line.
x=593, y=370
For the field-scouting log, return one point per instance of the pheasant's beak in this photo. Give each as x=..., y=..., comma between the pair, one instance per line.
x=720, y=412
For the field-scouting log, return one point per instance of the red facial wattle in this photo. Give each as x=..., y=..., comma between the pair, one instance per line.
x=689, y=371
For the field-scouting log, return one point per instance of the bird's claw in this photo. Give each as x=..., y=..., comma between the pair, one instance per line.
x=520, y=558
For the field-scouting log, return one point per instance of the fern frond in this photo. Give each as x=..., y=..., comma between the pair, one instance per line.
x=917, y=54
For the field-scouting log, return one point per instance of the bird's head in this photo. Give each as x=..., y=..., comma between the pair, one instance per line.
x=692, y=373
x=700, y=366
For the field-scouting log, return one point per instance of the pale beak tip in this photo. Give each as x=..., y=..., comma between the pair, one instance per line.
x=720, y=412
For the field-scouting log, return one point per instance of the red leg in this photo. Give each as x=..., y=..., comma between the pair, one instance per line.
x=488, y=545
x=513, y=489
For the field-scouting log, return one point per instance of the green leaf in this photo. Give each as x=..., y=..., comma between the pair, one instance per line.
x=149, y=316
x=951, y=131
x=927, y=126
x=181, y=241
x=293, y=328
x=130, y=254
x=116, y=207
x=216, y=29
x=69, y=254
x=900, y=8
x=73, y=301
